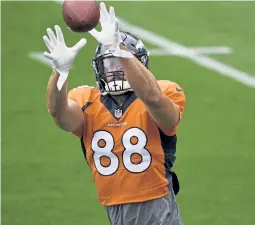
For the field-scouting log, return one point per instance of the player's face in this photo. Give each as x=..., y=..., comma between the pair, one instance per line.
x=112, y=65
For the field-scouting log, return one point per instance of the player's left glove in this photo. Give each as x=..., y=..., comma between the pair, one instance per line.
x=110, y=34
x=61, y=56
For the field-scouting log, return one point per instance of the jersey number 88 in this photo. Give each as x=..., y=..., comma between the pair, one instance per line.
x=128, y=151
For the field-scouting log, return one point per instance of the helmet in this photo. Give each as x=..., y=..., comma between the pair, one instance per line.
x=110, y=76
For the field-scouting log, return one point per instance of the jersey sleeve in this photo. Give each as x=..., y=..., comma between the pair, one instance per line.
x=176, y=94
x=79, y=95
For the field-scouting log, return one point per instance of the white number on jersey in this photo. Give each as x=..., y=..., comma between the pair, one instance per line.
x=104, y=151
x=129, y=150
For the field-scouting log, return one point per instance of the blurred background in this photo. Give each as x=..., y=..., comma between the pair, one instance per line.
x=45, y=179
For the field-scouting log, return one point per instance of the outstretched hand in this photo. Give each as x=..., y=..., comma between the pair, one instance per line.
x=61, y=56
x=110, y=34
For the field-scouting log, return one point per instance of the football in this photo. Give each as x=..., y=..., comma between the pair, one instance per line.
x=81, y=16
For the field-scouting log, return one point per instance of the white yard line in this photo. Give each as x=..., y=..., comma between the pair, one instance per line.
x=212, y=50
x=196, y=50
x=40, y=57
x=153, y=52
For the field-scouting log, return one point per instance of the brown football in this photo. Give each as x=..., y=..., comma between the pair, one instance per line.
x=81, y=16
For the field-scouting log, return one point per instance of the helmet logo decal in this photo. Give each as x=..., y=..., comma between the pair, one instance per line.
x=139, y=45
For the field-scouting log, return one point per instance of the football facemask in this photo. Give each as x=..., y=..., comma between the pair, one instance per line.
x=109, y=72
x=110, y=75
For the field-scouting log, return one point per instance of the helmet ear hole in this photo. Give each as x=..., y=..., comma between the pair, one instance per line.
x=143, y=59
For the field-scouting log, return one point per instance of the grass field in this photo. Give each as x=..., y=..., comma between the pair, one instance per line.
x=45, y=180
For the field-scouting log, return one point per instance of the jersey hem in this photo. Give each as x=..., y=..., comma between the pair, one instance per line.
x=129, y=201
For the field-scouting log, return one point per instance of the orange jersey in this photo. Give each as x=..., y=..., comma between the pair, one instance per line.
x=125, y=149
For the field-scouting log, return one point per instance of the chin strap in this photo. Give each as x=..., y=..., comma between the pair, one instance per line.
x=119, y=92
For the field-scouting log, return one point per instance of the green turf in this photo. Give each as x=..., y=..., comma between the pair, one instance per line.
x=45, y=180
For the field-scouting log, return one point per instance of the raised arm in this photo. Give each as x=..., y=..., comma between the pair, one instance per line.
x=66, y=112
x=162, y=108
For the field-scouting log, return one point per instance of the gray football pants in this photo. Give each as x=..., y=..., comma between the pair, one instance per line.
x=161, y=211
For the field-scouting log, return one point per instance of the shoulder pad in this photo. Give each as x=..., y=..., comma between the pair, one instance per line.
x=85, y=86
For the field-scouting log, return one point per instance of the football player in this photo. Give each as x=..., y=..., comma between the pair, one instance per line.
x=127, y=124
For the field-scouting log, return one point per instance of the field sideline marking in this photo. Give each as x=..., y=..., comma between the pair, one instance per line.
x=153, y=52
x=196, y=50
x=202, y=60
x=40, y=57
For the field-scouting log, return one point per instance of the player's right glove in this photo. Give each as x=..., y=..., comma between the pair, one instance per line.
x=110, y=34
x=61, y=56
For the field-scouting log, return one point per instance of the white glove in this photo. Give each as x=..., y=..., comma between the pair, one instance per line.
x=110, y=34
x=61, y=56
